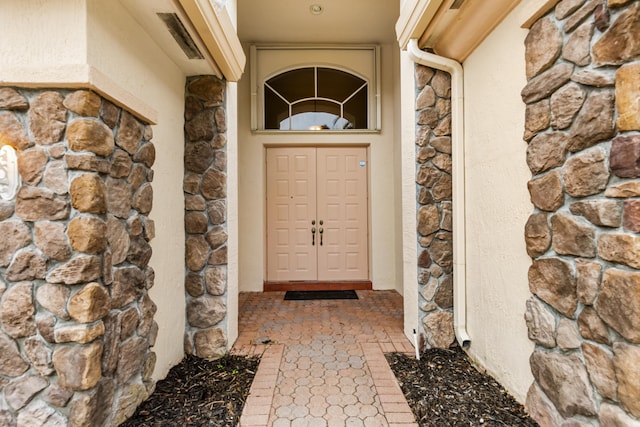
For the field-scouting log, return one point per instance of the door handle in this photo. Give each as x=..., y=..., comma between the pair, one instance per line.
x=313, y=236
x=321, y=231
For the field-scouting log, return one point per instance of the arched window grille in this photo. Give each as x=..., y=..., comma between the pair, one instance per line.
x=315, y=98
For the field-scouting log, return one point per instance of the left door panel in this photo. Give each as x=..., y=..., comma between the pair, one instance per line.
x=291, y=191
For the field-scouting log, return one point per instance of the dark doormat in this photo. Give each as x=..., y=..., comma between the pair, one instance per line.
x=308, y=295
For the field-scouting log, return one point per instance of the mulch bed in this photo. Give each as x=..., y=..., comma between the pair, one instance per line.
x=198, y=392
x=444, y=389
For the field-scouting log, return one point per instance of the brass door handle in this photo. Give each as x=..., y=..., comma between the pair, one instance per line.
x=313, y=236
x=321, y=231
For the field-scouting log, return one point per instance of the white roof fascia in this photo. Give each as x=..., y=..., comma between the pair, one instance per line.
x=216, y=30
x=415, y=16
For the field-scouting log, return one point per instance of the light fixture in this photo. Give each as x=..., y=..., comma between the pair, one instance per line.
x=9, y=176
x=316, y=9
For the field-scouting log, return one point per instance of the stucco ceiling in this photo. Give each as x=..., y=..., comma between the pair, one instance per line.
x=341, y=21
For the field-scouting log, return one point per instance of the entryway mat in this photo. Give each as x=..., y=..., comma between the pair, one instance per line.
x=311, y=295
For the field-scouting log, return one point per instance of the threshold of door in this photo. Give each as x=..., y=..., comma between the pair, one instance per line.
x=313, y=285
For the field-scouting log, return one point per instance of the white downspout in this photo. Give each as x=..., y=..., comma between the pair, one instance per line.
x=457, y=156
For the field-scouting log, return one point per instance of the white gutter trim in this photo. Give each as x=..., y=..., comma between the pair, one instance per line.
x=218, y=33
x=458, y=195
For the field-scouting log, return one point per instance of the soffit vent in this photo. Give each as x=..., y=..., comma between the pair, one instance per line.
x=456, y=4
x=181, y=35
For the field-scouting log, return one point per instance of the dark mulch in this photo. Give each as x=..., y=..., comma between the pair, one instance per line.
x=198, y=392
x=444, y=389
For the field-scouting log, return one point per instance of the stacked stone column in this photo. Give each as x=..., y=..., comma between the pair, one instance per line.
x=582, y=130
x=76, y=321
x=434, y=220
x=205, y=189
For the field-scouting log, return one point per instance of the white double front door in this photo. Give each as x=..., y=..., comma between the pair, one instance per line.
x=317, y=214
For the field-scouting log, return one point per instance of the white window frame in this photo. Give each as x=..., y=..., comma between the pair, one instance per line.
x=267, y=61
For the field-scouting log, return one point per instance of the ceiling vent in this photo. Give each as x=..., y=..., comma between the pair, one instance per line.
x=181, y=35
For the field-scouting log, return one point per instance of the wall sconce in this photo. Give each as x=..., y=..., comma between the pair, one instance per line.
x=9, y=175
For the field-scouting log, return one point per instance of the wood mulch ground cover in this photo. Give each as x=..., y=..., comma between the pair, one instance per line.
x=444, y=389
x=198, y=392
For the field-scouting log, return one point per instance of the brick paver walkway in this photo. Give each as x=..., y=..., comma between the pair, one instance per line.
x=322, y=361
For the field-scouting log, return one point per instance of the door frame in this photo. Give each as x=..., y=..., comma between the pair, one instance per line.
x=269, y=286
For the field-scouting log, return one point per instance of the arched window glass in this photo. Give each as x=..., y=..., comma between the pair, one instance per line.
x=315, y=98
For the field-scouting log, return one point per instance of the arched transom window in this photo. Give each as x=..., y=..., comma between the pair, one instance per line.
x=316, y=98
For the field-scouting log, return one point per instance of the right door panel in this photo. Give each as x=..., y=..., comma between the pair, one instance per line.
x=342, y=213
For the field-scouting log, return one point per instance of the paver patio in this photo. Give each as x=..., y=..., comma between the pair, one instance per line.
x=322, y=360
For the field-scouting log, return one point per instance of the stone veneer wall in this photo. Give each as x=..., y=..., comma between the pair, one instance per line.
x=76, y=321
x=205, y=189
x=434, y=221
x=582, y=123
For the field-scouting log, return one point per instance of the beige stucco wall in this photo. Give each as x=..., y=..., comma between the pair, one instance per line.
x=396, y=69
x=54, y=30
x=69, y=43
x=497, y=205
x=232, y=213
x=232, y=197
x=384, y=241
x=144, y=70
x=149, y=74
x=407, y=179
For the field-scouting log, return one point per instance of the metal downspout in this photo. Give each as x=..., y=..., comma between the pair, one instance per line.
x=458, y=195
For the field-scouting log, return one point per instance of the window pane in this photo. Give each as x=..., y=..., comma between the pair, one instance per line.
x=336, y=84
x=355, y=110
x=315, y=115
x=295, y=84
x=316, y=106
x=307, y=121
x=275, y=109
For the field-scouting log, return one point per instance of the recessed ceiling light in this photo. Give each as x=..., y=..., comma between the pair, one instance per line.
x=315, y=9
